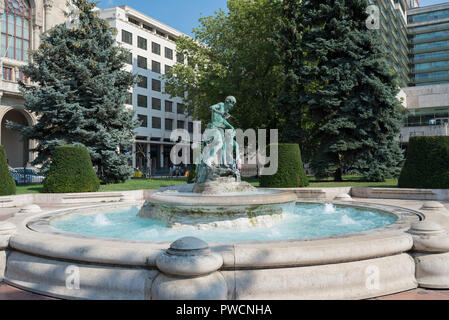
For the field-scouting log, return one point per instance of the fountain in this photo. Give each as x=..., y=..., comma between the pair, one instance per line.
x=261, y=243
x=218, y=199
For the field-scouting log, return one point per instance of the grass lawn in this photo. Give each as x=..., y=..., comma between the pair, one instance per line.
x=135, y=184
x=138, y=184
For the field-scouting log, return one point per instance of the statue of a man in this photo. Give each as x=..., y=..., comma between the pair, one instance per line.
x=219, y=146
x=220, y=112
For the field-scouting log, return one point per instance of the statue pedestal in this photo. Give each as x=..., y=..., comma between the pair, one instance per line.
x=223, y=186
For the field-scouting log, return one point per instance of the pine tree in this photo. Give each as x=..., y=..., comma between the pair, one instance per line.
x=348, y=87
x=80, y=94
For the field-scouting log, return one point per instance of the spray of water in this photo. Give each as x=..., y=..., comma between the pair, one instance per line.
x=101, y=220
x=329, y=208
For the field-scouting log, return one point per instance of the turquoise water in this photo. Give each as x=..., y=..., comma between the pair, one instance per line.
x=307, y=221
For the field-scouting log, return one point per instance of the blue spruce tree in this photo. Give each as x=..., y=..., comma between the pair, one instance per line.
x=342, y=78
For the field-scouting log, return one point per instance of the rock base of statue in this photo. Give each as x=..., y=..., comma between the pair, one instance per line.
x=224, y=185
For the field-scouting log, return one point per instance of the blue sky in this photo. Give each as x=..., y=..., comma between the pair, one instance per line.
x=180, y=14
x=183, y=14
x=430, y=2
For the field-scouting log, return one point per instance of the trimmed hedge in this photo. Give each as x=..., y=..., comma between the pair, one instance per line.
x=291, y=173
x=7, y=183
x=427, y=164
x=71, y=170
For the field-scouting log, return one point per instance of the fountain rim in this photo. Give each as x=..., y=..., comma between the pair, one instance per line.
x=392, y=239
x=277, y=196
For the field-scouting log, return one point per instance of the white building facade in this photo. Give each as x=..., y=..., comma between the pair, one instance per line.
x=153, y=52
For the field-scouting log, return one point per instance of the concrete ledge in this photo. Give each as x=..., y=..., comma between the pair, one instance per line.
x=402, y=194
x=59, y=279
x=73, y=198
x=325, y=282
x=318, y=193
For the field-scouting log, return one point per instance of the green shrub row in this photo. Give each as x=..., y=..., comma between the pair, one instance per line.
x=427, y=164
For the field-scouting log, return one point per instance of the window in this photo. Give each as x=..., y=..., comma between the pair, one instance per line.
x=134, y=21
x=156, y=85
x=16, y=29
x=129, y=98
x=167, y=68
x=171, y=38
x=129, y=58
x=142, y=62
x=7, y=73
x=142, y=101
x=127, y=37
x=169, y=53
x=143, y=120
x=160, y=33
x=181, y=108
x=147, y=27
x=190, y=127
x=156, y=66
x=168, y=124
x=180, y=58
x=180, y=124
x=143, y=82
x=156, y=48
x=156, y=103
x=156, y=123
x=142, y=43
x=168, y=106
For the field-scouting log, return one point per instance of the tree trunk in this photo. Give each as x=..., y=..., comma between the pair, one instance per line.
x=338, y=175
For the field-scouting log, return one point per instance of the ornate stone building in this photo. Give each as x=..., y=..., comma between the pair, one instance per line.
x=21, y=24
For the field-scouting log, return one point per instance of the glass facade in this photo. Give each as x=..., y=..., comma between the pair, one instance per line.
x=429, y=42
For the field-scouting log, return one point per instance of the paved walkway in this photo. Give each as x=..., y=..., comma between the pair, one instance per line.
x=11, y=293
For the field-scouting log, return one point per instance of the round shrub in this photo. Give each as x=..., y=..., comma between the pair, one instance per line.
x=71, y=170
x=290, y=173
x=7, y=183
x=427, y=164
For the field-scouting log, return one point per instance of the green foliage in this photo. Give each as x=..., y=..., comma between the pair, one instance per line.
x=81, y=94
x=7, y=184
x=426, y=165
x=232, y=54
x=71, y=171
x=192, y=174
x=339, y=74
x=291, y=173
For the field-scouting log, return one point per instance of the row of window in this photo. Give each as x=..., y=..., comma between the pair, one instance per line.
x=432, y=45
x=432, y=65
x=150, y=28
x=143, y=83
x=432, y=75
x=431, y=55
x=8, y=75
x=429, y=16
x=431, y=35
x=156, y=104
x=142, y=63
x=142, y=43
x=156, y=123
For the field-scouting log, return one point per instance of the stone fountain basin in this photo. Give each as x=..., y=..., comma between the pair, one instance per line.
x=180, y=208
x=40, y=259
